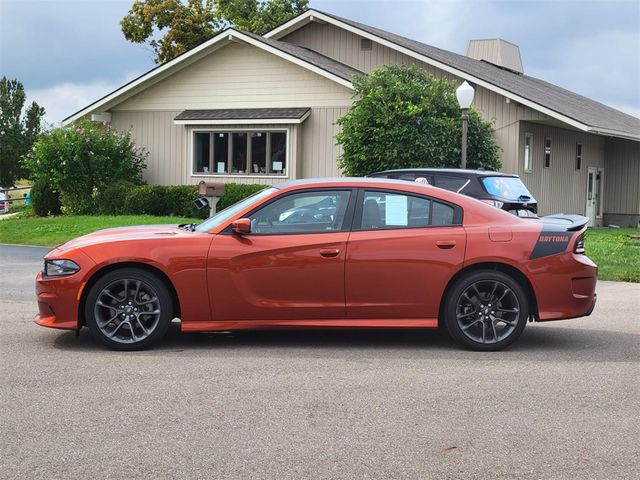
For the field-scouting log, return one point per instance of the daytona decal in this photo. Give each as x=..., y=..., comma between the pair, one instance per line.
x=550, y=243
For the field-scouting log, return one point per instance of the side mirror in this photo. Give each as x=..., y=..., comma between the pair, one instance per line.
x=242, y=226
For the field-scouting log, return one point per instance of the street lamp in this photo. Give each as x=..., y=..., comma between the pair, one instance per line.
x=464, y=93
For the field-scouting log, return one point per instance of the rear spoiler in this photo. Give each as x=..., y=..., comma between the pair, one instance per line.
x=561, y=222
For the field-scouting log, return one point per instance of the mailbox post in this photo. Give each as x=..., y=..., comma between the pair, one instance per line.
x=212, y=191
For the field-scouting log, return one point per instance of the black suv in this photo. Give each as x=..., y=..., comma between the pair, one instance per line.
x=502, y=190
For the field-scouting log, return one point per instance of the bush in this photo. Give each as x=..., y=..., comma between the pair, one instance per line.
x=110, y=200
x=234, y=192
x=404, y=118
x=83, y=161
x=163, y=200
x=45, y=200
x=177, y=199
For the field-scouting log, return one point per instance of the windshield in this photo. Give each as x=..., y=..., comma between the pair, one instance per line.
x=509, y=188
x=229, y=212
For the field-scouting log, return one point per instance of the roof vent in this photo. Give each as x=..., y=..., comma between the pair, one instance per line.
x=498, y=52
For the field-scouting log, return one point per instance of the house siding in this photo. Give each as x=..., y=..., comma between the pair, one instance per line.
x=239, y=76
x=560, y=187
x=344, y=46
x=622, y=183
x=165, y=142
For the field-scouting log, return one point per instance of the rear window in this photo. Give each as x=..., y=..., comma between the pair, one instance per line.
x=509, y=188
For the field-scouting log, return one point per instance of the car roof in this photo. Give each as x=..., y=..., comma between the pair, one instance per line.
x=451, y=171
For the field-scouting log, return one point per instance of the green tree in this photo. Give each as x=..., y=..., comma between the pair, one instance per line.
x=171, y=27
x=17, y=131
x=402, y=117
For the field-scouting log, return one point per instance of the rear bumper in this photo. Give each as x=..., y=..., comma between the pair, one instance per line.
x=565, y=286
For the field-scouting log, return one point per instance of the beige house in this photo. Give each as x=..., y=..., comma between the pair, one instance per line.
x=249, y=109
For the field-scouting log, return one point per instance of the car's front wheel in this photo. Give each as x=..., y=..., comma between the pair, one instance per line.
x=128, y=309
x=486, y=310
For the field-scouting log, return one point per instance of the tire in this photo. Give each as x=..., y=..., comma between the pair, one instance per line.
x=128, y=309
x=486, y=310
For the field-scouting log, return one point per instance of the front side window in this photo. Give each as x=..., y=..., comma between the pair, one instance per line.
x=382, y=210
x=240, y=153
x=528, y=152
x=305, y=212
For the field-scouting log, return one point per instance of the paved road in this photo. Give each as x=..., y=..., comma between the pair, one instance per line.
x=562, y=403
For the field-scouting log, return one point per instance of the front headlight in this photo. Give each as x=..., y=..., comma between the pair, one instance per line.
x=59, y=268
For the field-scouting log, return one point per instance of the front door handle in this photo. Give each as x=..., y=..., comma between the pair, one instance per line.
x=329, y=252
x=446, y=244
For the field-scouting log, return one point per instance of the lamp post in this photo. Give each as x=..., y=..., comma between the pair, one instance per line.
x=464, y=93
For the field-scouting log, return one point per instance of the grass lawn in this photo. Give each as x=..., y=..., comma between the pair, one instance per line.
x=52, y=231
x=617, y=255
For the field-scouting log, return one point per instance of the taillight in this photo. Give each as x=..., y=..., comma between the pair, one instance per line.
x=494, y=203
x=579, y=246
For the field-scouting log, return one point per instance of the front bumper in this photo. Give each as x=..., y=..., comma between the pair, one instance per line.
x=59, y=297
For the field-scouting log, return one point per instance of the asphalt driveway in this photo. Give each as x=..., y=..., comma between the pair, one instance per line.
x=562, y=403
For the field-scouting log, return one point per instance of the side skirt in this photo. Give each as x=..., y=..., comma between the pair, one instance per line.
x=212, y=326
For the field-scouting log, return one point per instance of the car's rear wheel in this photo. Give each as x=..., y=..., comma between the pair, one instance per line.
x=128, y=309
x=486, y=310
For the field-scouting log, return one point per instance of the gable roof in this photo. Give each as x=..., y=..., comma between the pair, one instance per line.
x=559, y=103
x=313, y=61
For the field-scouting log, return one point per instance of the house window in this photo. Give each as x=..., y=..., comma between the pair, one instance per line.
x=365, y=44
x=240, y=153
x=578, y=156
x=202, y=152
x=547, y=152
x=528, y=152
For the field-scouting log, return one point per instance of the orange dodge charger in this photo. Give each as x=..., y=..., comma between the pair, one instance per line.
x=325, y=253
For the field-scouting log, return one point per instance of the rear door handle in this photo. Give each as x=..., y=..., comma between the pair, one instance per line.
x=329, y=252
x=446, y=244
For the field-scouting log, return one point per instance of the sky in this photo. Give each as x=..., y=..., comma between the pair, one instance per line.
x=68, y=53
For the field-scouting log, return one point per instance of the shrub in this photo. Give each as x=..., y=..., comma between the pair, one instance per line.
x=403, y=117
x=163, y=200
x=234, y=192
x=45, y=200
x=84, y=160
x=110, y=200
x=178, y=200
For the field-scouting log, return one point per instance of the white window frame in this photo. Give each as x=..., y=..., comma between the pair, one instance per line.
x=527, y=157
x=191, y=162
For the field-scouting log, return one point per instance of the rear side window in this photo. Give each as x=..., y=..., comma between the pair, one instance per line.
x=509, y=188
x=383, y=210
x=452, y=184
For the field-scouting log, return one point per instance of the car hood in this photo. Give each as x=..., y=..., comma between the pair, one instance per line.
x=119, y=234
